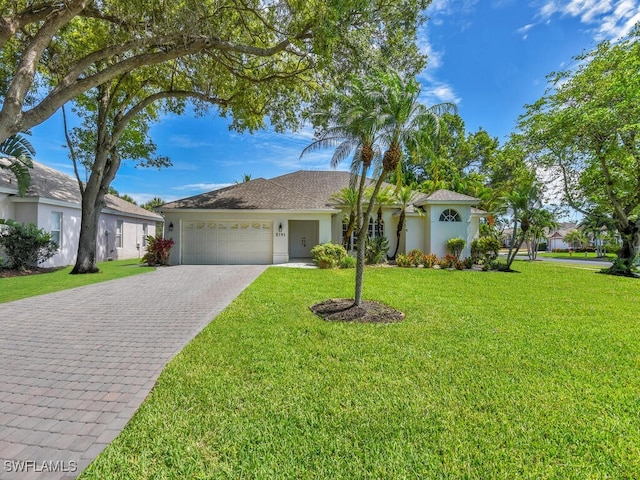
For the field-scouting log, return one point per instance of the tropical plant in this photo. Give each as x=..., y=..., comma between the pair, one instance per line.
x=576, y=239
x=455, y=246
x=376, y=250
x=347, y=198
x=328, y=255
x=403, y=196
x=25, y=245
x=158, y=250
x=485, y=250
x=542, y=220
x=16, y=155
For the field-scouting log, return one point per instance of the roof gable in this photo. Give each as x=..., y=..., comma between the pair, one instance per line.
x=444, y=195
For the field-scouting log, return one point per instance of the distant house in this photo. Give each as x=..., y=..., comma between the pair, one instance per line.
x=555, y=238
x=53, y=203
x=273, y=221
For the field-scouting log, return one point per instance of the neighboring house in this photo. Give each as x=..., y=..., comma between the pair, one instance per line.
x=274, y=221
x=53, y=202
x=555, y=238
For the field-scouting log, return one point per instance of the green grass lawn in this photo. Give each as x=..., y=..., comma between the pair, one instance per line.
x=491, y=375
x=15, y=288
x=576, y=256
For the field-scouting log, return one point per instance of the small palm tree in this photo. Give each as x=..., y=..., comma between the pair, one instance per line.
x=16, y=155
x=347, y=197
x=576, y=239
x=403, y=196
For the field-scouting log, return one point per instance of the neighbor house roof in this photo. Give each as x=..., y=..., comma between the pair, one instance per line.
x=54, y=185
x=301, y=190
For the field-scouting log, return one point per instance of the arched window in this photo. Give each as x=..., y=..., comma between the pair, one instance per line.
x=450, y=215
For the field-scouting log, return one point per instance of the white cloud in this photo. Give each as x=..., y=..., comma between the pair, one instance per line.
x=608, y=19
x=201, y=187
x=524, y=31
x=438, y=93
x=185, y=141
x=142, y=198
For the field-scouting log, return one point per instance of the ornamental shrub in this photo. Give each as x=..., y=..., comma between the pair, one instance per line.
x=404, y=261
x=348, y=262
x=25, y=245
x=430, y=260
x=328, y=255
x=455, y=246
x=158, y=250
x=485, y=249
x=416, y=257
x=375, y=250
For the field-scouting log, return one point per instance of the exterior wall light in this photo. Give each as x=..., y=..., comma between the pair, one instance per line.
x=280, y=228
x=171, y=227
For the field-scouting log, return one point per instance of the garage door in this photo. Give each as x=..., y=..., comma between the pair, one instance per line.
x=241, y=242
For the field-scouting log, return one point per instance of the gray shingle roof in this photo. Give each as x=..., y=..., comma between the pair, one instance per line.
x=52, y=184
x=449, y=196
x=301, y=190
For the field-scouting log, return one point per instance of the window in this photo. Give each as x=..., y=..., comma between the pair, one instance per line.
x=119, y=228
x=145, y=232
x=352, y=238
x=450, y=215
x=375, y=230
x=56, y=227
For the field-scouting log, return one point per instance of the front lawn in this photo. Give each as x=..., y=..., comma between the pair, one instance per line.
x=491, y=375
x=15, y=288
x=577, y=256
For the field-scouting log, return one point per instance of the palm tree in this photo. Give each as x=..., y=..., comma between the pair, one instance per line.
x=347, y=197
x=522, y=203
x=16, y=155
x=403, y=196
x=542, y=221
x=576, y=239
x=405, y=123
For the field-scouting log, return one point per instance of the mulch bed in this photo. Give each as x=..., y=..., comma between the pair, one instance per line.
x=343, y=310
x=9, y=272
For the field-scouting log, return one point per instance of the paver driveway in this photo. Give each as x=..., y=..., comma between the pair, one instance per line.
x=76, y=364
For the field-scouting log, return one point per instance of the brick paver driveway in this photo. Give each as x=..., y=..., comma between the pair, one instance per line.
x=75, y=365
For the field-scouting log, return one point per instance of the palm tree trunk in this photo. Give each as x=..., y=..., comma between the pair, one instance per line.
x=399, y=232
x=362, y=237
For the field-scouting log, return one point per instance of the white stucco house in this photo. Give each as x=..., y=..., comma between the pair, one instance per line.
x=53, y=203
x=276, y=220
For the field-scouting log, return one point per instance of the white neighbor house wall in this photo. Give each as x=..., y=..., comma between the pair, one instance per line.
x=280, y=239
x=28, y=210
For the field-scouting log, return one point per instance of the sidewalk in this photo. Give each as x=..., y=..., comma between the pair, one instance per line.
x=75, y=365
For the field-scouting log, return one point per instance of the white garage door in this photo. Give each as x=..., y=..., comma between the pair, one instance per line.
x=242, y=242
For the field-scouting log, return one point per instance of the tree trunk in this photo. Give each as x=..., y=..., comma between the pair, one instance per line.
x=91, y=208
x=623, y=265
x=399, y=232
x=362, y=237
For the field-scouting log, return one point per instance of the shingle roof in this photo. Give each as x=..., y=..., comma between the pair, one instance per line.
x=301, y=190
x=449, y=196
x=52, y=184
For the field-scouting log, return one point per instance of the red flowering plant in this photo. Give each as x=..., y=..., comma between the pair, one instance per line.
x=158, y=249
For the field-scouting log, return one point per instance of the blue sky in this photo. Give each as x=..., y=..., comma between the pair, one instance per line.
x=490, y=57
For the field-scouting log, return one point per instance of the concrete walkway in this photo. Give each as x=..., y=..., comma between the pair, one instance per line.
x=75, y=365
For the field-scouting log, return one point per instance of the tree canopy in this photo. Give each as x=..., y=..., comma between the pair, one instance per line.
x=270, y=56
x=586, y=132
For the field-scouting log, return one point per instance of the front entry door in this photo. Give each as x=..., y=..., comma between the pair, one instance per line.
x=303, y=236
